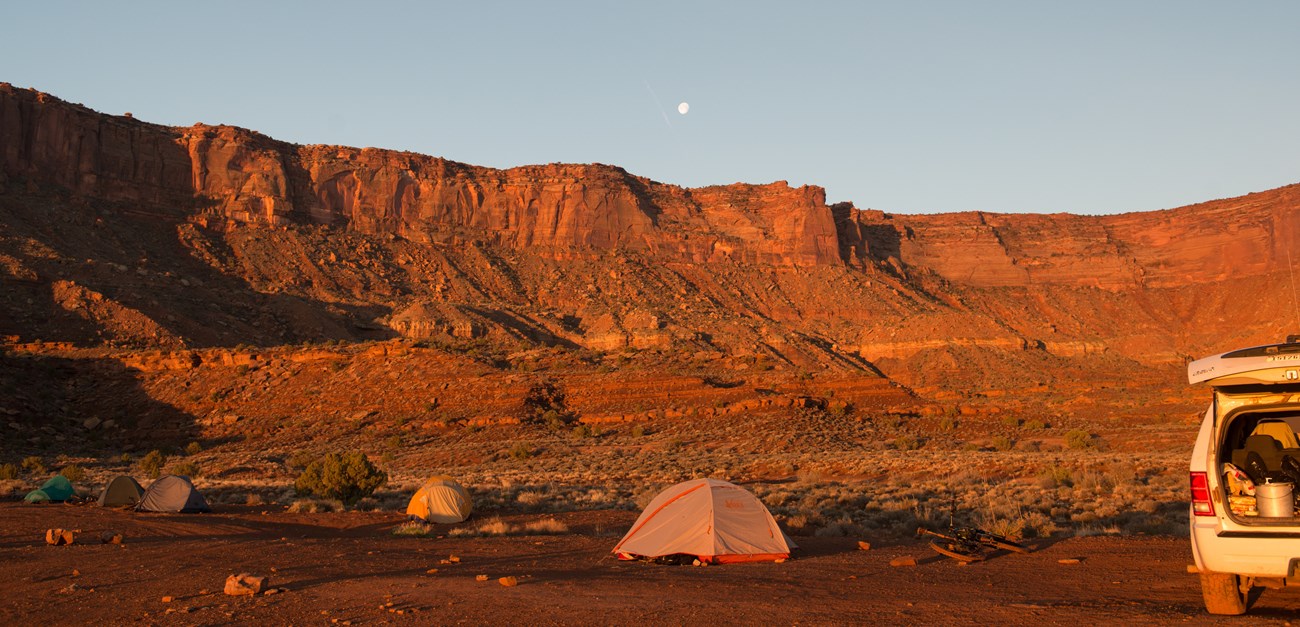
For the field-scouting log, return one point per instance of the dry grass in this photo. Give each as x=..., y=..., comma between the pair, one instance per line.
x=497, y=527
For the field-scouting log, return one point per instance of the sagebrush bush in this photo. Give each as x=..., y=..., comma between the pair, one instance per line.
x=193, y=448
x=1078, y=439
x=186, y=469
x=301, y=459
x=34, y=465
x=152, y=463
x=8, y=472
x=73, y=473
x=347, y=477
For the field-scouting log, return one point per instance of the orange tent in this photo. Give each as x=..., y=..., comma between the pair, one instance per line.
x=441, y=500
x=715, y=521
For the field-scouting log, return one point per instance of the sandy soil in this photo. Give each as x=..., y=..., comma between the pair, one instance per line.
x=348, y=568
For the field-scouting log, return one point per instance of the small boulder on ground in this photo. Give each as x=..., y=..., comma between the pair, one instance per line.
x=59, y=537
x=244, y=584
x=864, y=546
x=906, y=560
x=110, y=537
x=508, y=582
x=1069, y=561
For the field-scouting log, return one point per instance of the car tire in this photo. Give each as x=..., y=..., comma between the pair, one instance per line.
x=1223, y=594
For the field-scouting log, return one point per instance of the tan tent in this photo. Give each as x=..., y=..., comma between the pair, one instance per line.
x=441, y=500
x=715, y=521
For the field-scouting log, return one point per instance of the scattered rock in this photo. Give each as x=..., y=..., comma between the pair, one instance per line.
x=508, y=582
x=59, y=537
x=244, y=584
x=864, y=546
x=76, y=573
x=110, y=537
x=453, y=559
x=480, y=577
x=168, y=599
x=431, y=571
x=906, y=560
x=270, y=591
x=1069, y=561
x=1191, y=568
x=91, y=423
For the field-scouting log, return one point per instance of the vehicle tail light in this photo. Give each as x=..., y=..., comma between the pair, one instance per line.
x=1201, y=505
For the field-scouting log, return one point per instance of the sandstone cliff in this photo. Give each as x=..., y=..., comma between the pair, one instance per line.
x=119, y=232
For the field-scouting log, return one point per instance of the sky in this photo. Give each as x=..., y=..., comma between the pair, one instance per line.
x=909, y=107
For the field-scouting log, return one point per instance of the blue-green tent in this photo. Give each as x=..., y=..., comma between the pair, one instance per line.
x=56, y=490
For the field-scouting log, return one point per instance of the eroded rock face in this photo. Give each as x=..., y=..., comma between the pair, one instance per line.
x=560, y=209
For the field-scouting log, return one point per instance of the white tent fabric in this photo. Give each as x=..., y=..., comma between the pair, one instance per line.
x=711, y=519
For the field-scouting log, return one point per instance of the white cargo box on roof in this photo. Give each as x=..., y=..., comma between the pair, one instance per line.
x=1274, y=363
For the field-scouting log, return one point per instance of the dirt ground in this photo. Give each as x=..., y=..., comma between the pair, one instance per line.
x=347, y=568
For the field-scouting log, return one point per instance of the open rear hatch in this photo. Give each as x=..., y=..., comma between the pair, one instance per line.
x=1256, y=416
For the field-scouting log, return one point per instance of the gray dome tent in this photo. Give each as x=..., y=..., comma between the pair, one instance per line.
x=121, y=491
x=173, y=493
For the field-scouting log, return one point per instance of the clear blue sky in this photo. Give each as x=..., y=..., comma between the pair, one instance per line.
x=910, y=107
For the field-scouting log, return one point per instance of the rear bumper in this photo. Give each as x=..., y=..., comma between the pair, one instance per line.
x=1245, y=553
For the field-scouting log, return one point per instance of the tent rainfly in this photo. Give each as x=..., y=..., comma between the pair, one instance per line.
x=714, y=521
x=173, y=493
x=441, y=500
x=56, y=490
x=121, y=491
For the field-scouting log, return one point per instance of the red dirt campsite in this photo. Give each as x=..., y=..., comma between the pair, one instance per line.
x=319, y=337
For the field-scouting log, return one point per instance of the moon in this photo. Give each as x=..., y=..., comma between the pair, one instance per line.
x=683, y=108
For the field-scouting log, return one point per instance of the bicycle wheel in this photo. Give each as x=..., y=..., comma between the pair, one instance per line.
x=956, y=552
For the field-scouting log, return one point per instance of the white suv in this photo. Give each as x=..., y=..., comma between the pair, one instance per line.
x=1247, y=439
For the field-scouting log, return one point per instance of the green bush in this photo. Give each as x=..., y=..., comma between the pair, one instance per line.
x=152, y=464
x=186, y=469
x=546, y=404
x=301, y=459
x=73, y=473
x=34, y=465
x=1078, y=439
x=347, y=477
x=194, y=448
x=521, y=451
x=8, y=472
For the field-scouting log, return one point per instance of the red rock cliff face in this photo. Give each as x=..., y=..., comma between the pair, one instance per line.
x=1206, y=243
x=561, y=209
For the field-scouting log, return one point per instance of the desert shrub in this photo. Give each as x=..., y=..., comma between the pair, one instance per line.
x=948, y=424
x=414, y=529
x=585, y=431
x=241, y=369
x=1034, y=424
x=1002, y=443
x=193, y=448
x=34, y=465
x=152, y=463
x=301, y=459
x=394, y=441
x=312, y=506
x=347, y=477
x=185, y=469
x=8, y=472
x=1011, y=421
x=1078, y=439
x=545, y=403
x=125, y=458
x=73, y=473
x=906, y=443
x=546, y=526
x=639, y=431
x=1056, y=476
x=521, y=451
